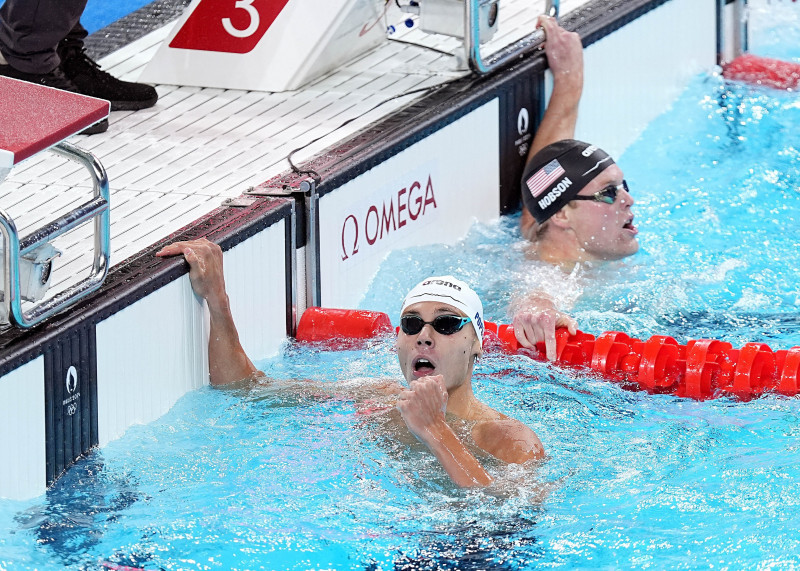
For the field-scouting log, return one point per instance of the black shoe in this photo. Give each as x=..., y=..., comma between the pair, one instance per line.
x=90, y=80
x=53, y=79
x=57, y=80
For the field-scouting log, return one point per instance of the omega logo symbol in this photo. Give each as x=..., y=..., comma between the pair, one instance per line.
x=72, y=379
x=523, y=121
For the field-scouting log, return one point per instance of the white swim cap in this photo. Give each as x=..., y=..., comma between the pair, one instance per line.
x=452, y=291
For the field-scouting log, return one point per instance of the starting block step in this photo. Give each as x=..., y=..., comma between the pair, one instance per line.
x=36, y=117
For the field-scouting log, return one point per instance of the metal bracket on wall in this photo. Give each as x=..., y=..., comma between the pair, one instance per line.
x=739, y=40
x=502, y=57
x=305, y=194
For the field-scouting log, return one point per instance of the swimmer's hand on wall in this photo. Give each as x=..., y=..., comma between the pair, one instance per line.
x=563, y=49
x=227, y=361
x=205, y=267
x=423, y=408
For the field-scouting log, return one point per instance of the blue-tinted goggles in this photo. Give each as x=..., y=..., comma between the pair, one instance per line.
x=444, y=324
x=608, y=195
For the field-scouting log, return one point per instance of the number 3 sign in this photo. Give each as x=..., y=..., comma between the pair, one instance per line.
x=263, y=45
x=233, y=26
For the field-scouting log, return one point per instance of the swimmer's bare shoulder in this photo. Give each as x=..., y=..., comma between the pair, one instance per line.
x=508, y=440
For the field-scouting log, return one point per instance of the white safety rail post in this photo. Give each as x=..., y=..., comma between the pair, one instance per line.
x=264, y=45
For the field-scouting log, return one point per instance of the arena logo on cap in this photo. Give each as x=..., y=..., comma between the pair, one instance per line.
x=597, y=165
x=442, y=283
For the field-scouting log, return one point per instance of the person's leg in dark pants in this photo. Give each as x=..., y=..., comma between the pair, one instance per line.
x=31, y=29
x=41, y=41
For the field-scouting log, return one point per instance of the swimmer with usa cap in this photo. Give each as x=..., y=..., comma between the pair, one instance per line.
x=576, y=194
x=436, y=350
x=576, y=204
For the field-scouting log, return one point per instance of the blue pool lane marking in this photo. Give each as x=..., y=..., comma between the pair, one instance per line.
x=100, y=13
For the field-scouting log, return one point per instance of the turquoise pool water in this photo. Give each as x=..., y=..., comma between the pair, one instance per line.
x=291, y=476
x=100, y=13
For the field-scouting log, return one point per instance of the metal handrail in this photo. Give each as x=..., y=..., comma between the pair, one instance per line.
x=97, y=209
x=502, y=57
x=739, y=39
x=740, y=21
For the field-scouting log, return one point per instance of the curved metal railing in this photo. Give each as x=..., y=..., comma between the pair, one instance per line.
x=506, y=55
x=97, y=209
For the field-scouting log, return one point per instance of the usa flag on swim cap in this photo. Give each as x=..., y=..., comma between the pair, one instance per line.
x=544, y=177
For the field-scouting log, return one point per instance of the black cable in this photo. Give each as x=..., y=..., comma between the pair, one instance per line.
x=437, y=50
x=314, y=174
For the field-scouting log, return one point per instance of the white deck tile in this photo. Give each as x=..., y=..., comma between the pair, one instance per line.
x=9, y=193
x=27, y=164
x=38, y=169
x=150, y=41
x=21, y=193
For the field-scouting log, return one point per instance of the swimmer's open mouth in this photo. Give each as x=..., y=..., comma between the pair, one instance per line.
x=423, y=366
x=629, y=226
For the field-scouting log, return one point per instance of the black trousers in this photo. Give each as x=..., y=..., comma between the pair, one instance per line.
x=30, y=31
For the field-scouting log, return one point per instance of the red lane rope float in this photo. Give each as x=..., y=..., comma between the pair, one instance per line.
x=341, y=328
x=701, y=369
x=763, y=71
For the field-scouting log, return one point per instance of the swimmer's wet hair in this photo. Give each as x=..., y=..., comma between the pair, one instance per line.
x=557, y=173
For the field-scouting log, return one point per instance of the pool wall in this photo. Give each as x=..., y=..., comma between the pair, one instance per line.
x=424, y=175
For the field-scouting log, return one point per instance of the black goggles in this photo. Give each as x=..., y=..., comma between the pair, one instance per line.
x=608, y=195
x=444, y=324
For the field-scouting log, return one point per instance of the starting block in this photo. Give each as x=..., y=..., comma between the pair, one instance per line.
x=37, y=118
x=265, y=45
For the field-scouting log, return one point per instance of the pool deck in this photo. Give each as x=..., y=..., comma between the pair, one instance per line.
x=199, y=147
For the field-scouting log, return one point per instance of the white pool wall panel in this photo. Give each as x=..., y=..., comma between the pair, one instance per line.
x=22, y=424
x=635, y=74
x=149, y=355
x=255, y=275
x=461, y=161
x=153, y=352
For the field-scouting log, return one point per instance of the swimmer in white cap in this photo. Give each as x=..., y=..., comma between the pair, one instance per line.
x=577, y=207
x=436, y=350
x=437, y=354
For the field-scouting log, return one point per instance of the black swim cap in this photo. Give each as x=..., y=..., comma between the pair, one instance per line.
x=557, y=173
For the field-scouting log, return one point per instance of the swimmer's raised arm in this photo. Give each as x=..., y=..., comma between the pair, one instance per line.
x=227, y=361
x=423, y=407
x=536, y=319
x=564, y=53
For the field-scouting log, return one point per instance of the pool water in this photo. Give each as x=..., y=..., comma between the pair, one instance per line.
x=292, y=476
x=100, y=13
